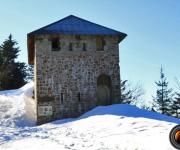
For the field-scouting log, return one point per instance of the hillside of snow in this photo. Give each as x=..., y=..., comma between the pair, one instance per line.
x=114, y=127
x=16, y=107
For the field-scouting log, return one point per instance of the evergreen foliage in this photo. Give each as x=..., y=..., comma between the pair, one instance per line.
x=30, y=73
x=126, y=95
x=176, y=101
x=176, y=106
x=164, y=96
x=12, y=74
x=130, y=94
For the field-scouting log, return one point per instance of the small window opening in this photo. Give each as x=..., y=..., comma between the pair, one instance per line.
x=84, y=47
x=103, y=44
x=78, y=37
x=79, y=97
x=55, y=44
x=62, y=97
x=70, y=47
x=100, y=44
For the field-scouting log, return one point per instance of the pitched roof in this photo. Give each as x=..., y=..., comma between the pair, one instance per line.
x=76, y=26
x=70, y=25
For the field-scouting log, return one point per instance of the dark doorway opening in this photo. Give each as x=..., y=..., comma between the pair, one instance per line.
x=104, y=90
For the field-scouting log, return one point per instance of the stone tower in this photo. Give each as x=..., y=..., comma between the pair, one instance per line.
x=76, y=67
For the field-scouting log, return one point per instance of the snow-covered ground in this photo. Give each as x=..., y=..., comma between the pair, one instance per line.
x=112, y=127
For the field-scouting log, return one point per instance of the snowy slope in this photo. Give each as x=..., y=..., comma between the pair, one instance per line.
x=112, y=127
x=12, y=107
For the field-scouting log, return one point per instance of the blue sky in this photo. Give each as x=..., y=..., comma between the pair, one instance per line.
x=153, y=28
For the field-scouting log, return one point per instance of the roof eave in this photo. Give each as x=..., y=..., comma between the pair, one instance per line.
x=122, y=36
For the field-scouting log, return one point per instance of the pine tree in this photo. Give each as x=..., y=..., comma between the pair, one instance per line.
x=126, y=95
x=30, y=73
x=130, y=94
x=12, y=73
x=163, y=99
x=9, y=51
x=176, y=101
x=1, y=58
x=176, y=106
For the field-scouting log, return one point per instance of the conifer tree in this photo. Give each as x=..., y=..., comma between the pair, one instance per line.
x=130, y=94
x=176, y=106
x=163, y=100
x=126, y=95
x=12, y=73
x=176, y=101
x=30, y=72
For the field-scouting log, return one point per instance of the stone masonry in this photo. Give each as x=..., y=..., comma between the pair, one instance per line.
x=76, y=67
x=66, y=81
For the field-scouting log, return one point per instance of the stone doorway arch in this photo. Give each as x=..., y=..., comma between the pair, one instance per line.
x=104, y=89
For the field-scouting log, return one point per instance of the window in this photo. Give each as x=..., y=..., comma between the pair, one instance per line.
x=78, y=37
x=70, y=47
x=84, y=47
x=100, y=43
x=62, y=97
x=103, y=43
x=55, y=44
x=79, y=96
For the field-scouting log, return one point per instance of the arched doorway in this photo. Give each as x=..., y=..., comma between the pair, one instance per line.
x=103, y=89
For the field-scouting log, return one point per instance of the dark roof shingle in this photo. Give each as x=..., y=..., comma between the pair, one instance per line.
x=70, y=25
x=76, y=26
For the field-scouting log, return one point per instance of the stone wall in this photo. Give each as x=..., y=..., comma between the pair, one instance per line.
x=66, y=81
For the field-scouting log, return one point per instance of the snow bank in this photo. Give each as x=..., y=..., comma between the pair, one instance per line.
x=115, y=127
x=13, y=104
x=30, y=103
x=32, y=144
x=97, y=132
x=17, y=92
x=129, y=111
